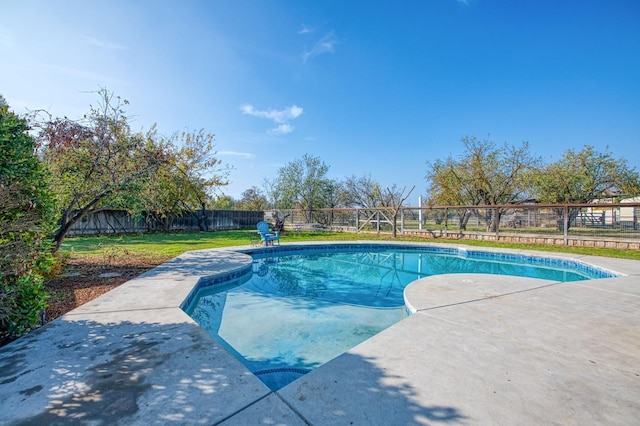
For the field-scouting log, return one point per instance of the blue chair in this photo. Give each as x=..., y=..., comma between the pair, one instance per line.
x=266, y=235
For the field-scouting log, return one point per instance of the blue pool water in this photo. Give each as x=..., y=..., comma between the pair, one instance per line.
x=300, y=308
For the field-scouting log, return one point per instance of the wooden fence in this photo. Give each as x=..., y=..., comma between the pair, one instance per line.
x=119, y=221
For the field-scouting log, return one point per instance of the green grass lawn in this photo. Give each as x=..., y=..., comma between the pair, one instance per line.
x=173, y=244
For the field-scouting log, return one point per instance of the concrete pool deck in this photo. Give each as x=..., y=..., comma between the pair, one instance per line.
x=478, y=349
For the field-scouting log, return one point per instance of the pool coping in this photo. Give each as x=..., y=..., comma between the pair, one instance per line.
x=133, y=356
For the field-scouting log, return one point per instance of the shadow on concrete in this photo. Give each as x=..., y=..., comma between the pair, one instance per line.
x=354, y=389
x=89, y=372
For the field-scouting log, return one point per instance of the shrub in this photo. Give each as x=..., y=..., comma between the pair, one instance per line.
x=26, y=222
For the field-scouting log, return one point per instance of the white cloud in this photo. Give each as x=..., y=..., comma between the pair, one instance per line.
x=305, y=30
x=246, y=155
x=325, y=45
x=278, y=116
x=282, y=129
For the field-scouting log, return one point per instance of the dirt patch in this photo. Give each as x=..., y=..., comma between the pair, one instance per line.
x=81, y=280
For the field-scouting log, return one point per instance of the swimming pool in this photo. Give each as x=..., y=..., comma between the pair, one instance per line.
x=302, y=306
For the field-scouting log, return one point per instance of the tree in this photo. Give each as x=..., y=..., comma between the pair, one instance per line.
x=223, y=202
x=366, y=193
x=186, y=181
x=302, y=184
x=584, y=176
x=331, y=196
x=392, y=200
x=98, y=161
x=485, y=175
x=26, y=219
x=252, y=199
x=361, y=192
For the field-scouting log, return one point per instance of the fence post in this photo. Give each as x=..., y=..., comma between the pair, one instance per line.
x=446, y=221
x=357, y=221
x=565, y=230
x=378, y=221
x=496, y=213
x=402, y=220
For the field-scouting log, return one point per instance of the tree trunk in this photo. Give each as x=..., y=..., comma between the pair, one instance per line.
x=279, y=225
x=394, y=224
x=573, y=213
x=464, y=219
x=493, y=219
x=166, y=223
x=67, y=222
x=202, y=222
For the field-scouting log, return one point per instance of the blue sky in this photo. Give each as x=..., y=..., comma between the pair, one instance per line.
x=372, y=88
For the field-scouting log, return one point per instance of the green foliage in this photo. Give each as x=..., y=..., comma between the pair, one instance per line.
x=98, y=162
x=187, y=179
x=252, y=199
x=223, y=202
x=303, y=184
x=585, y=176
x=485, y=175
x=582, y=177
x=26, y=213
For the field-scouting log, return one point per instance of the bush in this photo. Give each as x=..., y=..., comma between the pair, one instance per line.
x=26, y=222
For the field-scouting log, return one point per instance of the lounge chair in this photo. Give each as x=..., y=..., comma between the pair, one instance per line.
x=266, y=235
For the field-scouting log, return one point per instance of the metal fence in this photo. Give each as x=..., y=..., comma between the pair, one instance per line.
x=615, y=225
x=120, y=221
